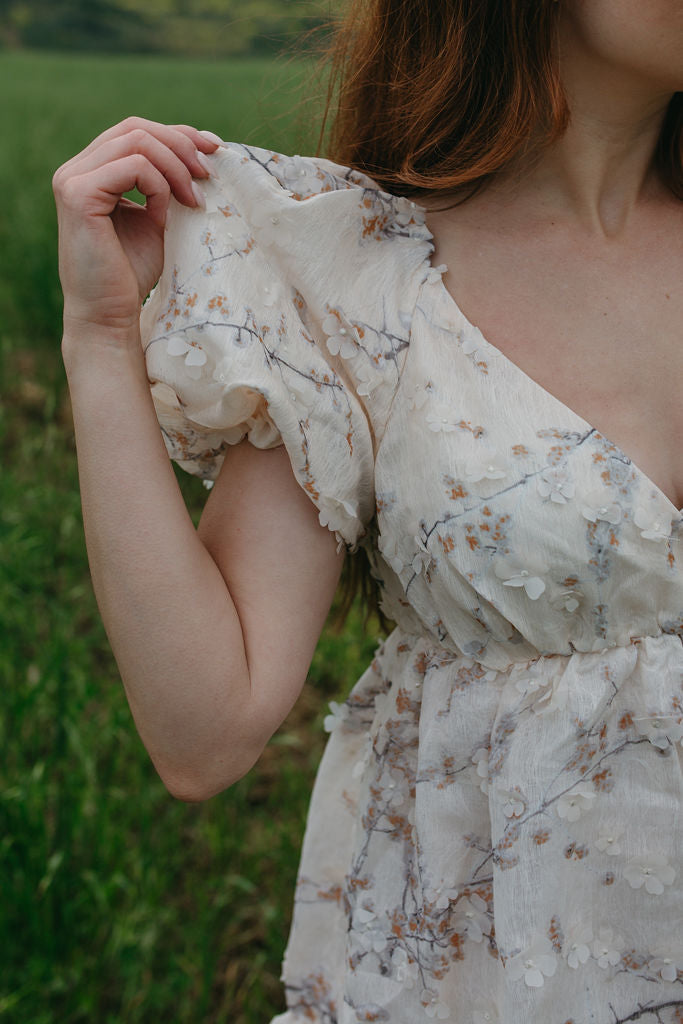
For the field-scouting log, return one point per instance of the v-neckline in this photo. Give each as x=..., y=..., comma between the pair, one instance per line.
x=527, y=379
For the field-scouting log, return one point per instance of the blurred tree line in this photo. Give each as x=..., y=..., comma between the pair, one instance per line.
x=191, y=27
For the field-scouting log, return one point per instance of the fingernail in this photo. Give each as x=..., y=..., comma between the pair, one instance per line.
x=199, y=195
x=206, y=163
x=212, y=138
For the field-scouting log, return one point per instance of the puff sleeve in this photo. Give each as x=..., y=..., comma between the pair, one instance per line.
x=283, y=315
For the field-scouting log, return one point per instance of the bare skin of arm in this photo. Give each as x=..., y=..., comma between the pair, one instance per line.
x=213, y=629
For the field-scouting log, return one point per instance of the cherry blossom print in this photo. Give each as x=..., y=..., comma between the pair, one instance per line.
x=494, y=833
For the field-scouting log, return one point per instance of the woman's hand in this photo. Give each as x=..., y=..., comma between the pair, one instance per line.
x=111, y=249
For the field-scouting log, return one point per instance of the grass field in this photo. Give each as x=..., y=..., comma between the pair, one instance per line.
x=117, y=903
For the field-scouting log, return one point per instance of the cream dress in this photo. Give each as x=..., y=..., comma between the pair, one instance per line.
x=496, y=829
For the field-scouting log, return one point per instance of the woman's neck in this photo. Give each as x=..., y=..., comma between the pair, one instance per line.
x=602, y=167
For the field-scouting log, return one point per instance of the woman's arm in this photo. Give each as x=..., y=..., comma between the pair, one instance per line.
x=213, y=631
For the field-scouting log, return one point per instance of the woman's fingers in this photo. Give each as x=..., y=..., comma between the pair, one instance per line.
x=177, y=169
x=182, y=140
x=97, y=192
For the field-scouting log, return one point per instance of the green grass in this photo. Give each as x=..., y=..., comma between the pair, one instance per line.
x=117, y=903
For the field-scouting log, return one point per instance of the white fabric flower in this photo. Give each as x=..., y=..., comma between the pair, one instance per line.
x=576, y=948
x=338, y=516
x=606, y=947
x=533, y=964
x=608, y=841
x=343, y=338
x=365, y=924
x=339, y=714
x=406, y=969
x=391, y=790
x=661, y=730
x=421, y=394
x=485, y=465
x=406, y=211
x=580, y=798
x=554, y=697
x=392, y=554
x=301, y=176
x=481, y=759
x=423, y=557
x=653, y=523
x=651, y=870
x=470, y=917
x=485, y=1013
x=270, y=218
x=515, y=575
x=195, y=357
x=433, y=1007
x=667, y=960
x=598, y=505
x=554, y=483
x=442, y=896
x=442, y=420
x=434, y=274
x=471, y=341
x=515, y=803
x=368, y=381
x=567, y=600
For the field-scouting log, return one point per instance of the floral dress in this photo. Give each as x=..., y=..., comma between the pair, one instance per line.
x=496, y=828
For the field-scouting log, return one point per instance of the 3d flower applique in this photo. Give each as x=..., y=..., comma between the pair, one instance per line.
x=567, y=600
x=599, y=505
x=442, y=896
x=336, y=514
x=576, y=945
x=485, y=465
x=527, y=680
x=391, y=790
x=653, y=522
x=513, y=574
x=515, y=801
x=661, y=730
x=470, y=918
x=339, y=714
x=667, y=960
x=433, y=1006
x=485, y=1013
x=405, y=968
x=360, y=765
x=423, y=558
x=392, y=553
x=554, y=483
x=343, y=338
x=606, y=948
x=480, y=758
x=471, y=341
x=434, y=274
x=365, y=924
x=442, y=421
x=534, y=964
x=302, y=177
x=195, y=356
x=407, y=212
x=421, y=395
x=651, y=870
x=608, y=840
x=554, y=697
x=580, y=798
x=368, y=380
x=271, y=220
x=208, y=484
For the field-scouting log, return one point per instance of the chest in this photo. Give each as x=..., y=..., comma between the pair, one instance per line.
x=600, y=330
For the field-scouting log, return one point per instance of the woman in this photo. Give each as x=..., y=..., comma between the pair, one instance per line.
x=496, y=830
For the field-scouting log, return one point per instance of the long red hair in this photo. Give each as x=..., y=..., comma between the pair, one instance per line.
x=436, y=97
